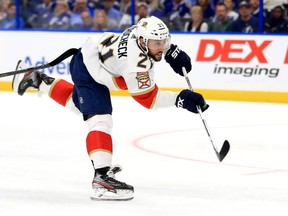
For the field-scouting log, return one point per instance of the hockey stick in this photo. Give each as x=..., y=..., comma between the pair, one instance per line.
x=56, y=61
x=226, y=146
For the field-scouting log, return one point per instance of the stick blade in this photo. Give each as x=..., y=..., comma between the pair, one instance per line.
x=224, y=150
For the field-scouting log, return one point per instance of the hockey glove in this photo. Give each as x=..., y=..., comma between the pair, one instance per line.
x=189, y=100
x=177, y=59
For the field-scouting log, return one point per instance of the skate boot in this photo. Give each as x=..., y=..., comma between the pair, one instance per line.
x=31, y=79
x=106, y=187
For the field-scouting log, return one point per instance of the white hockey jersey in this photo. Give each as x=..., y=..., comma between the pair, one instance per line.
x=117, y=62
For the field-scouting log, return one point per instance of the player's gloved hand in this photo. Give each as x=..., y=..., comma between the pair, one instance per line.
x=189, y=100
x=178, y=59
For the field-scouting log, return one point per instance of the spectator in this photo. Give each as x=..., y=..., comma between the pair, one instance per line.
x=3, y=9
x=154, y=8
x=141, y=12
x=196, y=24
x=212, y=2
x=93, y=4
x=255, y=7
x=60, y=18
x=125, y=7
x=245, y=23
x=270, y=4
x=87, y=21
x=277, y=23
x=11, y=21
x=110, y=11
x=208, y=12
x=102, y=21
x=221, y=23
x=178, y=8
x=172, y=6
x=76, y=19
x=177, y=12
x=28, y=9
x=191, y=3
x=231, y=14
x=116, y=4
x=41, y=14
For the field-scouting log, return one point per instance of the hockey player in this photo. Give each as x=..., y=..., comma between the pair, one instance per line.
x=114, y=61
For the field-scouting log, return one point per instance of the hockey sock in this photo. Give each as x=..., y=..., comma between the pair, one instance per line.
x=99, y=148
x=61, y=91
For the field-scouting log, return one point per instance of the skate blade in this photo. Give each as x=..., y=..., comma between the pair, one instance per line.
x=106, y=195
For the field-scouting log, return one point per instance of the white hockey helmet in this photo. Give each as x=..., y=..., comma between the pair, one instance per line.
x=152, y=28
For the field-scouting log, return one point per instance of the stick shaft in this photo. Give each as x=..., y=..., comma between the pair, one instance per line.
x=56, y=61
x=200, y=112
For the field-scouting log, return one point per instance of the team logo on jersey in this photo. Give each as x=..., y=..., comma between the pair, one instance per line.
x=144, y=24
x=143, y=80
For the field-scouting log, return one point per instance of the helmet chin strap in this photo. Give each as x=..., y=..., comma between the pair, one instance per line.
x=144, y=49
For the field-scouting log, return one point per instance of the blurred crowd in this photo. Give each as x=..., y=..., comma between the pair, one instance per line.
x=179, y=15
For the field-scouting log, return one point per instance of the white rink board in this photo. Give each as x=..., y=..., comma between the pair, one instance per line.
x=224, y=62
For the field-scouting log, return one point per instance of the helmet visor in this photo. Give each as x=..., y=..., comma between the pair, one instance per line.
x=159, y=45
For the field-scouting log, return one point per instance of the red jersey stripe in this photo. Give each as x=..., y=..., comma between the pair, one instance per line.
x=148, y=98
x=120, y=83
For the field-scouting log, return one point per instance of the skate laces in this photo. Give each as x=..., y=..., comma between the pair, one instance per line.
x=111, y=174
x=113, y=170
x=48, y=80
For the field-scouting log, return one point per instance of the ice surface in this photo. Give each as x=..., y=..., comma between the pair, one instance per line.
x=166, y=156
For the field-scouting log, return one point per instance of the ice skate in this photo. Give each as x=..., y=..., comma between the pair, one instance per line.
x=106, y=187
x=29, y=80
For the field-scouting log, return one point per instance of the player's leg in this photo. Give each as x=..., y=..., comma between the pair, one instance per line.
x=58, y=89
x=100, y=149
x=93, y=100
